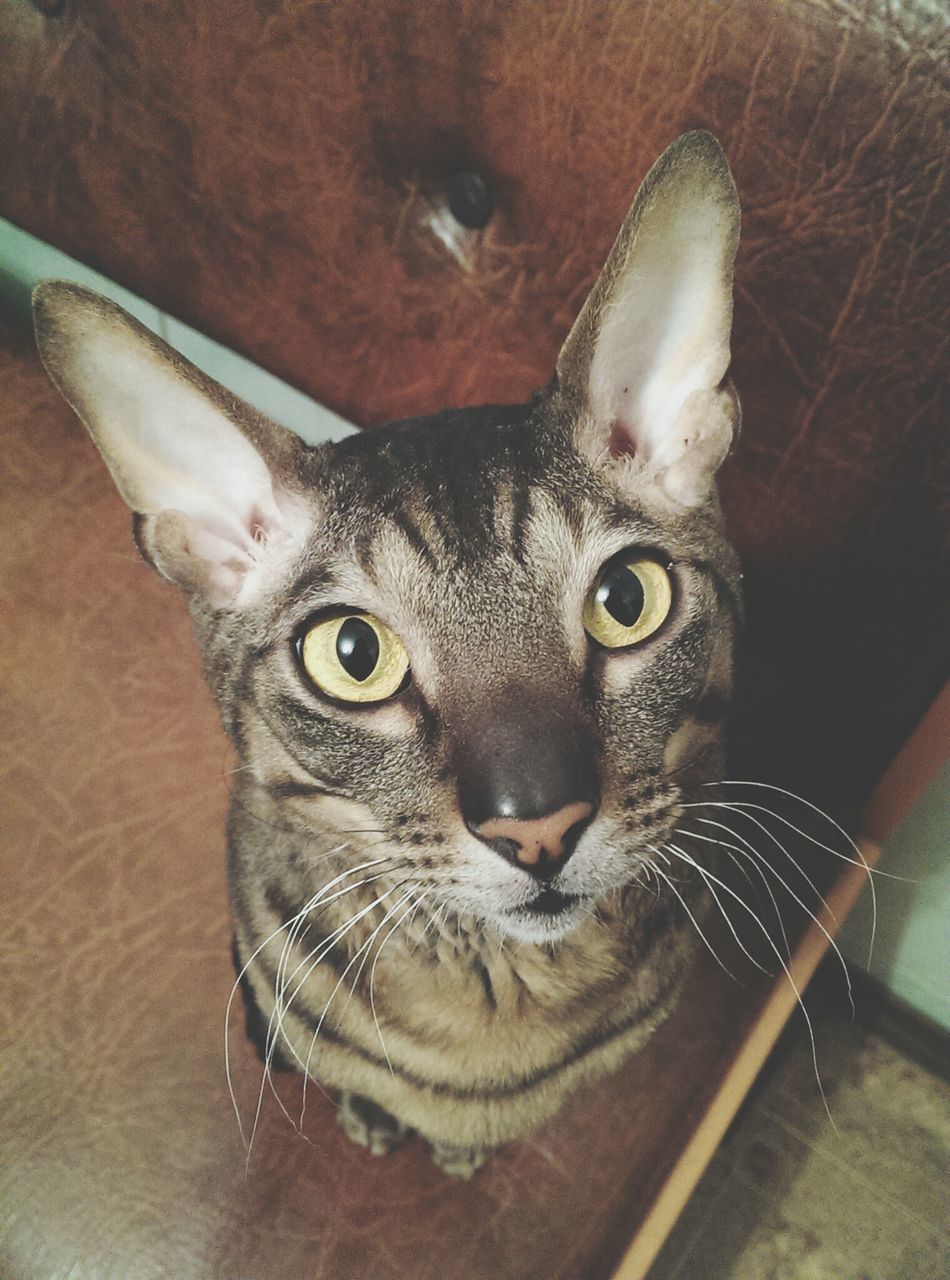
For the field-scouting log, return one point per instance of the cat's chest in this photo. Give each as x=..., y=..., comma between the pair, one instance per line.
x=467, y=1038
x=500, y=1010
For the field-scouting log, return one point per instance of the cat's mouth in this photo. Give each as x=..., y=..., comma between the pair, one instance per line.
x=546, y=918
x=549, y=902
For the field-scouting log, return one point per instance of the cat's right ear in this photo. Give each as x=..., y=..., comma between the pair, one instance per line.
x=644, y=366
x=210, y=480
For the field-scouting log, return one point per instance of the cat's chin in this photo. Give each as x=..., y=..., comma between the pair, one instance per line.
x=544, y=927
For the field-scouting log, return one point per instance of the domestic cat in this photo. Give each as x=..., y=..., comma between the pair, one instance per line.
x=472, y=665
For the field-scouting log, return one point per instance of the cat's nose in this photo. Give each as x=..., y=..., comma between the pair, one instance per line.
x=528, y=776
x=540, y=845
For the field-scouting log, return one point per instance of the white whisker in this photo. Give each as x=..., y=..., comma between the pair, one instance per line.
x=740, y=812
x=862, y=861
x=313, y=960
x=372, y=976
x=794, y=986
x=788, y=888
x=710, y=879
x=362, y=951
x=430, y=922
x=280, y=1011
x=292, y=923
x=281, y=987
x=708, y=945
x=234, y=989
x=275, y=1028
x=752, y=857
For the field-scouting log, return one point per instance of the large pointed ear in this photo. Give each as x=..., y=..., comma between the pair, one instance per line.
x=645, y=364
x=211, y=481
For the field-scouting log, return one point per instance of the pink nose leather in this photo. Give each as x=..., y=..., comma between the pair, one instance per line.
x=538, y=839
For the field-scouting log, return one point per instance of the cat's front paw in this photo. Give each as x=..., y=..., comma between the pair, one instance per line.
x=459, y=1162
x=368, y=1124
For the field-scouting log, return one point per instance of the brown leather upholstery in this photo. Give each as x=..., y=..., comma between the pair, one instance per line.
x=278, y=175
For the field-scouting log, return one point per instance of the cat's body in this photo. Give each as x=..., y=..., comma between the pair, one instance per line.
x=484, y=1035
x=473, y=666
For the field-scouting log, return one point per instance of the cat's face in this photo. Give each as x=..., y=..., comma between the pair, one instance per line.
x=495, y=645
x=479, y=541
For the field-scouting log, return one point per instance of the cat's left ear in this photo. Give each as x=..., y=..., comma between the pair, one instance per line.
x=211, y=482
x=645, y=363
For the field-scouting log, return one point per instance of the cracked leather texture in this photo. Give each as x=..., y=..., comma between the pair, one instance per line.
x=276, y=177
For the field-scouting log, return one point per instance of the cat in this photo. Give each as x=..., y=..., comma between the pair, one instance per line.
x=473, y=665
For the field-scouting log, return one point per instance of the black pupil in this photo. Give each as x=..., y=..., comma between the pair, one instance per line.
x=357, y=647
x=621, y=594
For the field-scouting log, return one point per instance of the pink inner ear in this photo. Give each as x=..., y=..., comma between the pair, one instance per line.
x=262, y=524
x=620, y=443
x=223, y=569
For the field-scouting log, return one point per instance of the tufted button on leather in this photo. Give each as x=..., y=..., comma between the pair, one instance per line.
x=470, y=200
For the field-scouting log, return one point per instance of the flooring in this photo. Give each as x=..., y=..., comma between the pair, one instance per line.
x=794, y=1195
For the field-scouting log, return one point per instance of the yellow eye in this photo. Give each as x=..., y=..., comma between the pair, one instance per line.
x=355, y=658
x=630, y=601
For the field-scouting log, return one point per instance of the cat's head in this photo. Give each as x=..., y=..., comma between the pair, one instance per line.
x=495, y=644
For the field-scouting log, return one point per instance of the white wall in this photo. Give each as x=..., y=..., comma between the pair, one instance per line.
x=911, y=953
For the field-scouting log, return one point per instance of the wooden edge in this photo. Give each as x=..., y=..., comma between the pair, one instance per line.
x=914, y=766
x=671, y=1199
